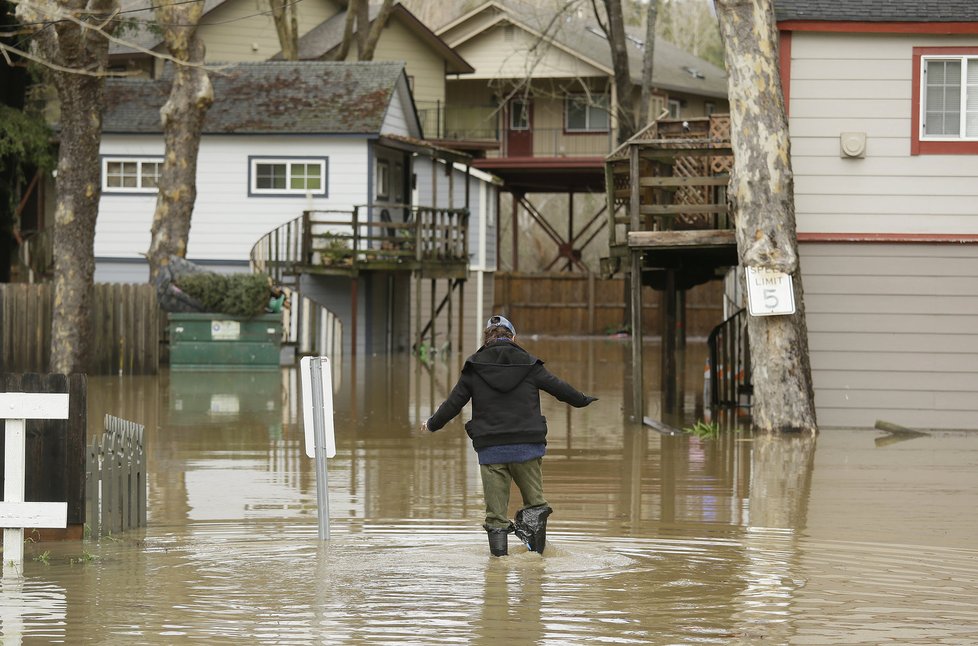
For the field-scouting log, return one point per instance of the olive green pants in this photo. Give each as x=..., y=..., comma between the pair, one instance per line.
x=496, y=481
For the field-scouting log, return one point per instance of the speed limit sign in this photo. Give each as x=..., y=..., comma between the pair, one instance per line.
x=769, y=293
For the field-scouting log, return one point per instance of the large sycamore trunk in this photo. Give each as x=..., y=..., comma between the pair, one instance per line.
x=79, y=188
x=67, y=46
x=762, y=193
x=183, y=117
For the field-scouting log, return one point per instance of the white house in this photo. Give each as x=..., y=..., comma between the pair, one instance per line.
x=280, y=139
x=883, y=114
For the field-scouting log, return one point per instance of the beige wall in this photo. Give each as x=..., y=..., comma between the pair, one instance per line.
x=858, y=83
x=237, y=33
x=893, y=333
x=510, y=52
x=425, y=68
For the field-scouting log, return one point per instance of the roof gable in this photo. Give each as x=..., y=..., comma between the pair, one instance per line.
x=309, y=97
x=675, y=69
x=327, y=36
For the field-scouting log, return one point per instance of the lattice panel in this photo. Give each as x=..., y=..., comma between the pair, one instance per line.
x=721, y=164
x=720, y=128
x=692, y=195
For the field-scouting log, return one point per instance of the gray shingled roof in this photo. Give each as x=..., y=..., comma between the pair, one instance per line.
x=878, y=10
x=268, y=98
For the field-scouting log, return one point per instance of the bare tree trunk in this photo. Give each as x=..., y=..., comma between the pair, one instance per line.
x=619, y=60
x=348, y=31
x=285, y=16
x=183, y=116
x=363, y=25
x=762, y=193
x=66, y=44
x=375, y=30
x=648, y=64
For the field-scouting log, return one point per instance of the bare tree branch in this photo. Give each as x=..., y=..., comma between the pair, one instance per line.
x=57, y=16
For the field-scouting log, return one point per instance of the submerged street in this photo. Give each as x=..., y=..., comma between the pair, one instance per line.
x=851, y=537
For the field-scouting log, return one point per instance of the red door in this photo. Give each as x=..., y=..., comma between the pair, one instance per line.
x=519, y=134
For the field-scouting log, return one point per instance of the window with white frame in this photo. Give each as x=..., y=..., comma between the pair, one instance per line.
x=584, y=113
x=949, y=98
x=271, y=176
x=131, y=174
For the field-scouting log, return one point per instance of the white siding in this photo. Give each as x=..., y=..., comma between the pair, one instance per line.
x=892, y=333
x=863, y=83
x=482, y=206
x=226, y=221
x=394, y=121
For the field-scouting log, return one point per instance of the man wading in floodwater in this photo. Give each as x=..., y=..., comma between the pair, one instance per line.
x=507, y=430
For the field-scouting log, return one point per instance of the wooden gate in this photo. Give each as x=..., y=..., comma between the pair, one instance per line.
x=54, y=463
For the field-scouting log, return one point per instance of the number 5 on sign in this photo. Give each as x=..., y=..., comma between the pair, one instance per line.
x=769, y=293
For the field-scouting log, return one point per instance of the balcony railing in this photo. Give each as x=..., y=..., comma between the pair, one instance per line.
x=383, y=236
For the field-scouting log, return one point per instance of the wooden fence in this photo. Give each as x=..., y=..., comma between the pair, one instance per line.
x=115, y=478
x=55, y=472
x=579, y=304
x=126, y=324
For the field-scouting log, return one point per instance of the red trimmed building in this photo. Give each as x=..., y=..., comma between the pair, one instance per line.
x=883, y=112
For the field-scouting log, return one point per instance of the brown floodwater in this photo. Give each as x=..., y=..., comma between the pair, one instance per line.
x=851, y=537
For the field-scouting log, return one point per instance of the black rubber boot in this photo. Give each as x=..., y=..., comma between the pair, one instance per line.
x=497, y=540
x=531, y=527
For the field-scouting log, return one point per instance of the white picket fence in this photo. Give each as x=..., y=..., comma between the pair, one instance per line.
x=115, y=478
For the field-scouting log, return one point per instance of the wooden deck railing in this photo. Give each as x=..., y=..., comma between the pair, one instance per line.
x=380, y=236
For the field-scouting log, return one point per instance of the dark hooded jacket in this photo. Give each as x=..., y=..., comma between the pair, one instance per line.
x=504, y=382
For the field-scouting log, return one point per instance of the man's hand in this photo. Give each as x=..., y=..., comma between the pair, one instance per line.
x=424, y=428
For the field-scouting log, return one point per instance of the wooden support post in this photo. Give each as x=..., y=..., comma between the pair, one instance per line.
x=15, y=514
x=570, y=231
x=448, y=319
x=634, y=282
x=516, y=233
x=668, y=374
x=461, y=315
x=431, y=313
x=590, y=303
x=638, y=391
x=354, y=304
x=680, y=351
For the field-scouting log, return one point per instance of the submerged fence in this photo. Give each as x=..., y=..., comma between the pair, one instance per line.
x=115, y=483
x=125, y=328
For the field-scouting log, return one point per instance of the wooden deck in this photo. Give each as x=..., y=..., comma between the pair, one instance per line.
x=379, y=237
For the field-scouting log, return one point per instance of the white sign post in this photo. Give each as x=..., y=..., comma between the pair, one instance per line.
x=317, y=420
x=769, y=293
x=15, y=514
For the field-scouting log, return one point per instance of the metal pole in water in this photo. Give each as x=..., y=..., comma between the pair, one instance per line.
x=322, y=476
x=317, y=409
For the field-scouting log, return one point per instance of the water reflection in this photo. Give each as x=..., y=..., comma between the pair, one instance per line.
x=655, y=539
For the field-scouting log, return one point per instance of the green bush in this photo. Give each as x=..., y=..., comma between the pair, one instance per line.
x=247, y=295
x=235, y=294
x=208, y=288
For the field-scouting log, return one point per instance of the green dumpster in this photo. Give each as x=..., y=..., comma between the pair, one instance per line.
x=199, y=341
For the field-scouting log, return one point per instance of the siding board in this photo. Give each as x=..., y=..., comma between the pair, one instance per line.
x=906, y=343
x=892, y=333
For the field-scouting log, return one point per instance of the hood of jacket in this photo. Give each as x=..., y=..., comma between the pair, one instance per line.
x=503, y=365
